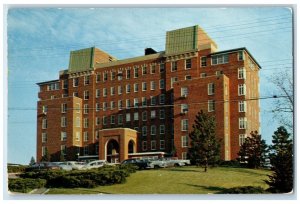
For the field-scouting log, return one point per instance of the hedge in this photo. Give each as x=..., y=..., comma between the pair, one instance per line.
x=25, y=185
x=243, y=190
x=16, y=169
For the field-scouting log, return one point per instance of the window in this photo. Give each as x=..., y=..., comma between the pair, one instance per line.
x=63, y=121
x=44, y=109
x=120, y=90
x=242, y=138
x=44, y=123
x=144, y=70
x=243, y=123
x=120, y=119
x=44, y=150
x=184, y=91
x=219, y=73
x=203, y=61
x=127, y=117
x=136, y=87
x=153, y=145
x=144, y=101
x=112, y=105
x=136, y=116
x=144, y=116
x=97, y=121
x=184, y=108
x=65, y=84
x=120, y=75
x=161, y=67
x=63, y=136
x=184, y=125
x=86, y=95
x=162, y=129
x=136, y=72
x=112, y=119
x=162, y=98
x=127, y=103
x=241, y=73
x=188, y=77
x=63, y=107
x=144, y=145
x=86, y=80
x=161, y=114
x=144, y=130
x=242, y=89
x=152, y=85
x=112, y=76
x=97, y=106
x=97, y=93
x=219, y=59
x=144, y=86
x=174, y=66
x=44, y=137
x=85, y=136
x=184, y=141
x=188, y=63
x=85, y=109
x=153, y=100
x=77, y=136
x=203, y=75
x=75, y=94
x=153, y=130
x=98, y=77
x=242, y=106
x=112, y=91
x=86, y=150
x=211, y=89
x=173, y=80
x=211, y=105
x=97, y=138
x=153, y=114
x=128, y=88
x=53, y=86
x=75, y=82
x=161, y=83
x=184, y=155
x=63, y=149
x=77, y=122
x=85, y=122
x=152, y=69
x=104, y=120
x=241, y=56
x=136, y=102
x=120, y=104
x=105, y=76
x=162, y=144
x=104, y=106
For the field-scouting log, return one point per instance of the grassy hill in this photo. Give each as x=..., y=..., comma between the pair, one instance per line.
x=181, y=180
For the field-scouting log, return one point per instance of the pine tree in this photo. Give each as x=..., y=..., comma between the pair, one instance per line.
x=32, y=161
x=281, y=159
x=205, y=149
x=253, y=151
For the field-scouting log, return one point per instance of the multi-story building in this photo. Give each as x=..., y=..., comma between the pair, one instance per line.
x=101, y=107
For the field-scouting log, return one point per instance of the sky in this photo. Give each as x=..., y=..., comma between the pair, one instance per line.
x=40, y=39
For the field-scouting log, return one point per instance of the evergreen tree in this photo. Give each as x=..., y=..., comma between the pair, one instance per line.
x=205, y=149
x=253, y=151
x=32, y=161
x=281, y=159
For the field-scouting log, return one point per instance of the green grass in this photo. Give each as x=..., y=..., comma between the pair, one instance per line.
x=181, y=180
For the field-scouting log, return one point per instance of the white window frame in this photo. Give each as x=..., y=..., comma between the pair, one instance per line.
x=85, y=108
x=161, y=84
x=44, y=137
x=162, y=129
x=128, y=88
x=173, y=80
x=152, y=85
x=128, y=105
x=152, y=69
x=120, y=104
x=153, y=130
x=184, y=141
x=242, y=89
x=86, y=95
x=120, y=119
x=98, y=93
x=128, y=117
x=105, y=76
x=184, y=91
x=202, y=61
x=104, y=92
x=241, y=53
x=128, y=74
x=186, y=63
x=242, y=138
x=160, y=114
x=112, y=105
x=184, y=108
x=144, y=86
x=162, y=67
x=153, y=144
x=211, y=106
x=242, y=123
x=162, y=99
x=174, y=66
x=144, y=101
x=44, y=123
x=210, y=89
x=136, y=87
x=153, y=100
x=184, y=125
x=85, y=122
x=86, y=80
x=162, y=144
x=135, y=72
x=98, y=107
x=136, y=102
x=85, y=136
x=242, y=106
x=112, y=91
x=136, y=116
x=144, y=70
x=120, y=90
x=153, y=114
x=104, y=106
x=144, y=115
x=63, y=136
x=75, y=82
x=241, y=73
x=98, y=77
x=63, y=121
x=63, y=108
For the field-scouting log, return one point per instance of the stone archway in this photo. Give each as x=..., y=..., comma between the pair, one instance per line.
x=131, y=147
x=112, y=151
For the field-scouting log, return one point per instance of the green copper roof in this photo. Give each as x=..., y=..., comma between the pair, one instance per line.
x=82, y=60
x=181, y=40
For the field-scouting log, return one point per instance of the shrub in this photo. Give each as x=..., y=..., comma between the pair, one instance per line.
x=231, y=163
x=130, y=168
x=16, y=169
x=244, y=190
x=25, y=185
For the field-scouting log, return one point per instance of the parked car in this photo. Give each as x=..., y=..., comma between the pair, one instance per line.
x=95, y=164
x=172, y=162
x=71, y=165
x=140, y=163
x=158, y=163
x=44, y=165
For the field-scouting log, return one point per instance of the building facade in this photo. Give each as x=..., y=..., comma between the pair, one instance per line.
x=155, y=96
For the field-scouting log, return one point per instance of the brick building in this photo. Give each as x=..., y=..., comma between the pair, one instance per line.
x=101, y=107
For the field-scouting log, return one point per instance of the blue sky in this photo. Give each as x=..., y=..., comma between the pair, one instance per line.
x=40, y=39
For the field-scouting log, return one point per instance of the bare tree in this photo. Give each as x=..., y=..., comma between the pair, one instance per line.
x=284, y=104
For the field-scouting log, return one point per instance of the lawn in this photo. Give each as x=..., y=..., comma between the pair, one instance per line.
x=180, y=180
